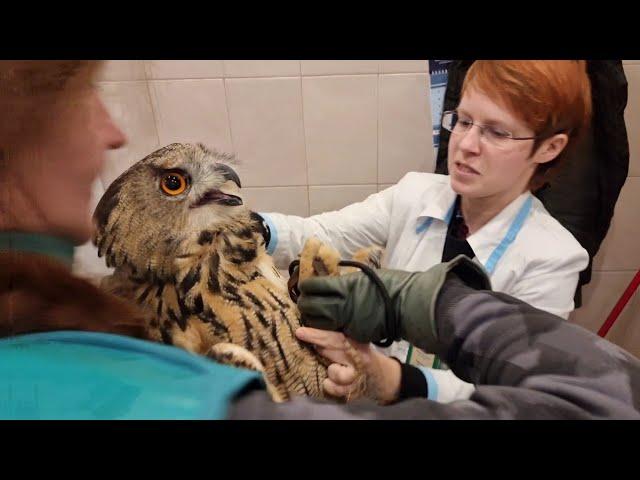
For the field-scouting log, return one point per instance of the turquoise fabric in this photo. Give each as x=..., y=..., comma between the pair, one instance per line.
x=94, y=376
x=56, y=247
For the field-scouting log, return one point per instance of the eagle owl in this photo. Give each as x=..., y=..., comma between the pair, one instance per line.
x=186, y=248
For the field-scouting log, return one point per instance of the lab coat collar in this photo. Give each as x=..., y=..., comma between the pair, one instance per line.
x=437, y=203
x=484, y=241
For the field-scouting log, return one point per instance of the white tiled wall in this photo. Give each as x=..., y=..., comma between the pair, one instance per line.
x=403, y=145
x=310, y=135
x=326, y=198
x=261, y=68
x=313, y=136
x=182, y=69
x=191, y=111
x=265, y=115
x=340, y=67
x=341, y=128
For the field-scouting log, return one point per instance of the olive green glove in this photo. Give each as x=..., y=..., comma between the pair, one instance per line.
x=354, y=305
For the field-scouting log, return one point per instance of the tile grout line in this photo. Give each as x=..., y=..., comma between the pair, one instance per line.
x=304, y=136
x=151, y=103
x=257, y=77
x=228, y=112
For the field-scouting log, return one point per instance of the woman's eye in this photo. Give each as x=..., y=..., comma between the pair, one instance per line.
x=173, y=183
x=498, y=133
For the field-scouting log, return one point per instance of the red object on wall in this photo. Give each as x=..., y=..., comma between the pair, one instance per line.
x=624, y=299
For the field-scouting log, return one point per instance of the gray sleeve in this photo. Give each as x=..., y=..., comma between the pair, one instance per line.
x=526, y=364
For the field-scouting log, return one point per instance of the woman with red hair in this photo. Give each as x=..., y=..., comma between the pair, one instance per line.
x=515, y=123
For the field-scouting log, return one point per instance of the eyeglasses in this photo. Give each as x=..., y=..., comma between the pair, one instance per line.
x=492, y=134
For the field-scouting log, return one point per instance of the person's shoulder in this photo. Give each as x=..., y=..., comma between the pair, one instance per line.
x=547, y=239
x=422, y=181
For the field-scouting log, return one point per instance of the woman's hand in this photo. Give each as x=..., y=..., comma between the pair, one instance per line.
x=383, y=373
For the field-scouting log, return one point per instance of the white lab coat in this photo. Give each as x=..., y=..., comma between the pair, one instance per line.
x=541, y=265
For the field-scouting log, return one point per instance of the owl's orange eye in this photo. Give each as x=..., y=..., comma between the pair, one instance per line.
x=173, y=183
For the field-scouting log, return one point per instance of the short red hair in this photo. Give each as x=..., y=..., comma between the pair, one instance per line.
x=550, y=96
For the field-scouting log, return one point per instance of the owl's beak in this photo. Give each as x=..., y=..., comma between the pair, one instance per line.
x=228, y=173
x=218, y=197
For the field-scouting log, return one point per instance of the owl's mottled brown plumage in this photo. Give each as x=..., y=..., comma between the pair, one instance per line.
x=197, y=261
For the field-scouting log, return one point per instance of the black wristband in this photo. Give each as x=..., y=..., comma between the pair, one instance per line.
x=412, y=382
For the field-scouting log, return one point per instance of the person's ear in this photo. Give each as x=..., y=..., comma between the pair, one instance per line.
x=551, y=148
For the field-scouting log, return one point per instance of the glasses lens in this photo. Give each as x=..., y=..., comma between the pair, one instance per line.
x=449, y=120
x=497, y=137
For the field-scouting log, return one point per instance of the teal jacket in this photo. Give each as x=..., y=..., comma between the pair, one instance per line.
x=69, y=375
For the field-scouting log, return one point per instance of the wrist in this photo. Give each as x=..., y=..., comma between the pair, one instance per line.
x=387, y=374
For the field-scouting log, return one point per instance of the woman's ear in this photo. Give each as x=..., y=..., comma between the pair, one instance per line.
x=551, y=148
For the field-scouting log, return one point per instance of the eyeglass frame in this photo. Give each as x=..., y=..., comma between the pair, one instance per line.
x=481, y=127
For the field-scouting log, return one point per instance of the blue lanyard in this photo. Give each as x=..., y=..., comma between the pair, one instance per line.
x=508, y=239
